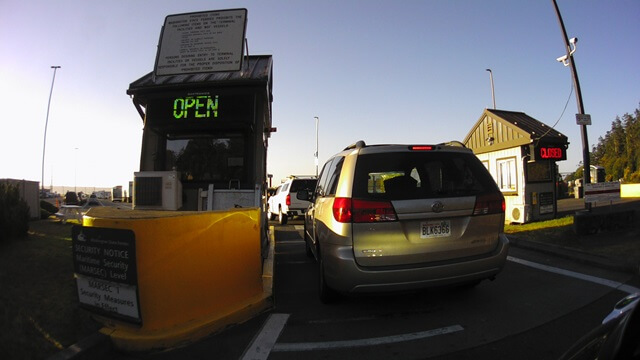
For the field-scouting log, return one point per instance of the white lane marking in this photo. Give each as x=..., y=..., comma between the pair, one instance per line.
x=314, y=346
x=298, y=227
x=290, y=242
x=610, y=283
x=263, y=343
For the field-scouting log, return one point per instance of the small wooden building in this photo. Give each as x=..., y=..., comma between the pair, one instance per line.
x=521, y=153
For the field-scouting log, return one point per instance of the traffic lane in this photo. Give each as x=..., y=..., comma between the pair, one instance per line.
x=521, y=299
x=498, y=319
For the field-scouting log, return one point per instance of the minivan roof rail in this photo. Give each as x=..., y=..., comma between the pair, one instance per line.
x=357, y=145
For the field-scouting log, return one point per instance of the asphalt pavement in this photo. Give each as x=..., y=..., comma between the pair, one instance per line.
x=95, y=344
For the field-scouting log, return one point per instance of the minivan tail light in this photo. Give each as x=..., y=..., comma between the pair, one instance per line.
x=288, y=200
x=342, y=209
x=489, y=204
x=365, y=211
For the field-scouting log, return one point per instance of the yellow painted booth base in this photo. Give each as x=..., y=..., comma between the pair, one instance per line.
x=197, y=272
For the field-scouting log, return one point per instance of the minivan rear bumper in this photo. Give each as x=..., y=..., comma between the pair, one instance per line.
x=343, y=274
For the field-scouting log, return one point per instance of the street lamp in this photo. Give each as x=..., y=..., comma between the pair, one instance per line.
x=568, y=60
x=75, y=177
x=316, y=154
x=493, y=96
x=44, y=145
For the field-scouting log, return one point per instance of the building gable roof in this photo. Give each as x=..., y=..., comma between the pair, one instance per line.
x=501, y=129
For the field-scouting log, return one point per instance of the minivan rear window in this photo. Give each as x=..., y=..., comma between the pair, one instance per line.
x=419, y=175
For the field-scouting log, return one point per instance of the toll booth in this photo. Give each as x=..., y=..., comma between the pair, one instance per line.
x=521, y=154
x=205, y=138
x=194, y=256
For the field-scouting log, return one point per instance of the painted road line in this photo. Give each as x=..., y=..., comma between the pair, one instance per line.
x=263, y=343
x=314, y=346
x=298, y=227
x=290, y=242
x=612, y=284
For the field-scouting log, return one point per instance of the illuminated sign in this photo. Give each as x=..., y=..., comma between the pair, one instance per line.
x=203, y=106
x=548, y=152
x=551, y=153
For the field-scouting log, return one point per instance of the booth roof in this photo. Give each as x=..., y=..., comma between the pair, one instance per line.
x=256, y=70
x=535, y=128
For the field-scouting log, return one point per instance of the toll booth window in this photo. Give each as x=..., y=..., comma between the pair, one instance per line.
x=207, y=158
x=539, y=171
x=507, y=174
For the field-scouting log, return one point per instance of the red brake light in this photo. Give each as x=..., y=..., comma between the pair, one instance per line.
x=422, y=147
x=363, y=211
x=489, y=204
x=342, y=210
x=288, y=200
x=373, y=211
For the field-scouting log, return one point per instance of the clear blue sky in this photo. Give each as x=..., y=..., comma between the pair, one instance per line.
x=381, y=71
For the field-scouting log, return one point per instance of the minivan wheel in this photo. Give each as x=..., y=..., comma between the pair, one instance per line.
x=282, y=217
x=327, y=294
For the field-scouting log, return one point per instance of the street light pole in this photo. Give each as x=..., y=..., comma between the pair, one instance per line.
x=75, y=177
x=44, y=145
x=569, y=61
x=316, y=154
x=493, y=95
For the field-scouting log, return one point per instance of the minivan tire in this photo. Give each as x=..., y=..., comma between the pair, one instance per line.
x=327, y=295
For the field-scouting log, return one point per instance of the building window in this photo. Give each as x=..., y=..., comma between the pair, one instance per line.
x=507, y=175
x=539, y=171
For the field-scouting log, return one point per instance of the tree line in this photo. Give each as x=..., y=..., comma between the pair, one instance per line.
x=618, y=152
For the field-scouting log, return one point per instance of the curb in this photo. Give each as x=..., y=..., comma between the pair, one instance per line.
x=94, y=346
x=577, y=255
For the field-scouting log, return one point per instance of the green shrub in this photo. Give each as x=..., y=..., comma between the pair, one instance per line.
x=14, y=213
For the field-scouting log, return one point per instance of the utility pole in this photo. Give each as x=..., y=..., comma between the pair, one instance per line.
x=44, y=145
x=568, y=60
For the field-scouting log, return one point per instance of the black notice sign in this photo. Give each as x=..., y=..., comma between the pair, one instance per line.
x=546, y=202
x=105, y=254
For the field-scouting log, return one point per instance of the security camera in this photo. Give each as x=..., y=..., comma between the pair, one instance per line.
x=573, y=40
x=562, y=58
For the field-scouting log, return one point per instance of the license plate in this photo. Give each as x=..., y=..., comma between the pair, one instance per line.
x=434, y=229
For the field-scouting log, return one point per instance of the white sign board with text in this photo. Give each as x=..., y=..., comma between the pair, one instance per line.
x=200, y=42
x=599, y=192
x=108, y=296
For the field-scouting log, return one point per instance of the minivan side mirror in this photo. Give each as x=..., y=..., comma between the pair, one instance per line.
x=306, y=195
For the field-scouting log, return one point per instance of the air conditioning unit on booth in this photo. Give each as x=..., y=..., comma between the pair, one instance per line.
x=157, y=190
x=518, y=213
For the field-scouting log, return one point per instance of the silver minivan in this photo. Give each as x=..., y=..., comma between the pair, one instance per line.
x=401, y=217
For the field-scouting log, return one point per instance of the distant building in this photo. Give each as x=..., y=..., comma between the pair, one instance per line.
x=521, y=153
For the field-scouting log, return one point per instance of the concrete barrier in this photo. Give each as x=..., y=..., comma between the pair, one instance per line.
x=197, y=273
